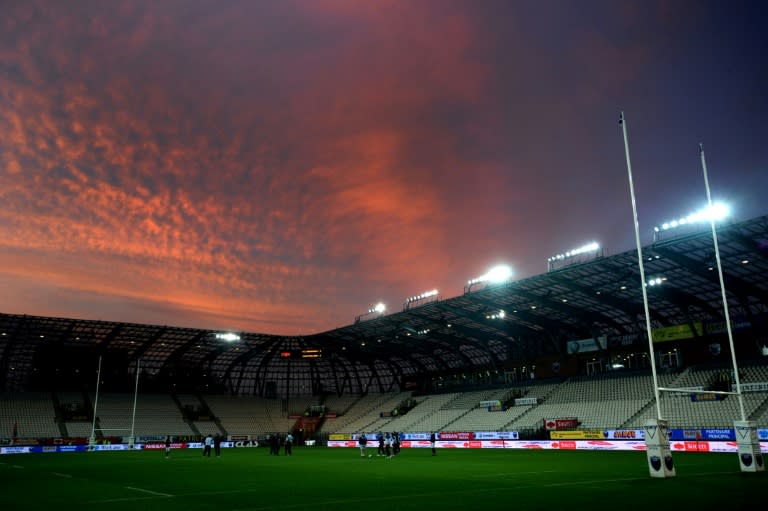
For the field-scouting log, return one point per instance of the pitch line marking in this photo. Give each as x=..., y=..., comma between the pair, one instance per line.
x=389, y=497
x=465, y=491
x=159, y=494
x=61, y=475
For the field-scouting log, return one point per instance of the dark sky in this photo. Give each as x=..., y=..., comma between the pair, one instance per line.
x=280, y=166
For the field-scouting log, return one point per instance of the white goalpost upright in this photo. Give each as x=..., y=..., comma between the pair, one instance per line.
x=659, y=455
x=135, y=396
x=92, y=439
x=750, y=457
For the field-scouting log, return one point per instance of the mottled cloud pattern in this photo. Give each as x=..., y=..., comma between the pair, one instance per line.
x=278, y=166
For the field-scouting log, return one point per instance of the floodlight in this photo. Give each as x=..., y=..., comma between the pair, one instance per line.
x=228, y=336
x=716, y=212
x=422, y=296
x=497, y=275
x=656, y=281
x=579, y=254
x=379, y=309
x=426, y=296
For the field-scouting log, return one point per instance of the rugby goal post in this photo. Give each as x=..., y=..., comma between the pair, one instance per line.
x=131, y=437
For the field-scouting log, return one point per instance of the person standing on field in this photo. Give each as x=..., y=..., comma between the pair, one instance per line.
x=207, y=444
x=362, y=440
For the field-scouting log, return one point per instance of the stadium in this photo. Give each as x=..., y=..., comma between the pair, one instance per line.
x=526, y=382
x=331, y=255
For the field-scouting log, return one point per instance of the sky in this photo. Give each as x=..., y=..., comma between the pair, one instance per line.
x=281, y=166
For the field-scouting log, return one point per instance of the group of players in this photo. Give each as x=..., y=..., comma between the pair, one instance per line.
x=276, y=440
x=389, y=444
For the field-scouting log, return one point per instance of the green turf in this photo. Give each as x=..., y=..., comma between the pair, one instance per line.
x=339, y=479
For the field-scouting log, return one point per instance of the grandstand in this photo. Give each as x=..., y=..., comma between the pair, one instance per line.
x=571, y=343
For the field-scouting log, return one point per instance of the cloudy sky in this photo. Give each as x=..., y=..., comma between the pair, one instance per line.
x=280, y=166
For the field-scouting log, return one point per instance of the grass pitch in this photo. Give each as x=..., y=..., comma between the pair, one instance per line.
x=339, y=479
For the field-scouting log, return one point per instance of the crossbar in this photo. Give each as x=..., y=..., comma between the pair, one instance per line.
x=691, y=390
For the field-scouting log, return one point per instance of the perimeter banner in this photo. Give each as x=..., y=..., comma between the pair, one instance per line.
x=567, y=445
x=580, y=434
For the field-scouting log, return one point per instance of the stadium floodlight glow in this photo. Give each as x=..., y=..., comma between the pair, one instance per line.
x=497, y=315
x=422, y=296
x=426, y=296
x=588, y=250
x=657, y=281
x=228, y=336
x=378, y=309
x=716, y=212
x=497, y=275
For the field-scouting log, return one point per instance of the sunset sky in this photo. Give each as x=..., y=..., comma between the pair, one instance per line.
x=280, y=166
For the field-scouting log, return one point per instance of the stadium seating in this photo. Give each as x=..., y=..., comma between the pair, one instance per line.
x=254, y=416
x=32, y=413
x=156, y=414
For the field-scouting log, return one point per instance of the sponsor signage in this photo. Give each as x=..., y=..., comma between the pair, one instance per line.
x=582, y=434
x=456, y=435
x=677, y=332
x=719, y=434
x=414, y=436
x=624, y=434
x=340, y=436
x=526, y=401
x=109, y=447
x=587, y=445
x=71, y=448
x=718, y=327
x=244, y=443
x=496, y=435
x=150, y=438
x=706, y=397
x=15, y=450
x=489, y=404
x=587, y=345
x=616, y=341
x=752, y=387
x=567, y=423
x=702, y=434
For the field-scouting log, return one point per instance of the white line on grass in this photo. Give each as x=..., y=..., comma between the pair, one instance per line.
x=315, y=504
x=503, y=474
x=124, y=499
x=159, y=494
x=61, y=475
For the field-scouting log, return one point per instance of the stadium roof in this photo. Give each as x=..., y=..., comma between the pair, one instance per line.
x=600, y=297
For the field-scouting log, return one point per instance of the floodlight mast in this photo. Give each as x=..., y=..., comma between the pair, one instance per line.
x=586, y=252
x=425, y=297
x=498, y=274
x=377, y=309
x=713, y=212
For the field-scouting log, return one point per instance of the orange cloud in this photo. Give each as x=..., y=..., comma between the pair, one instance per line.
x=241, y=162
